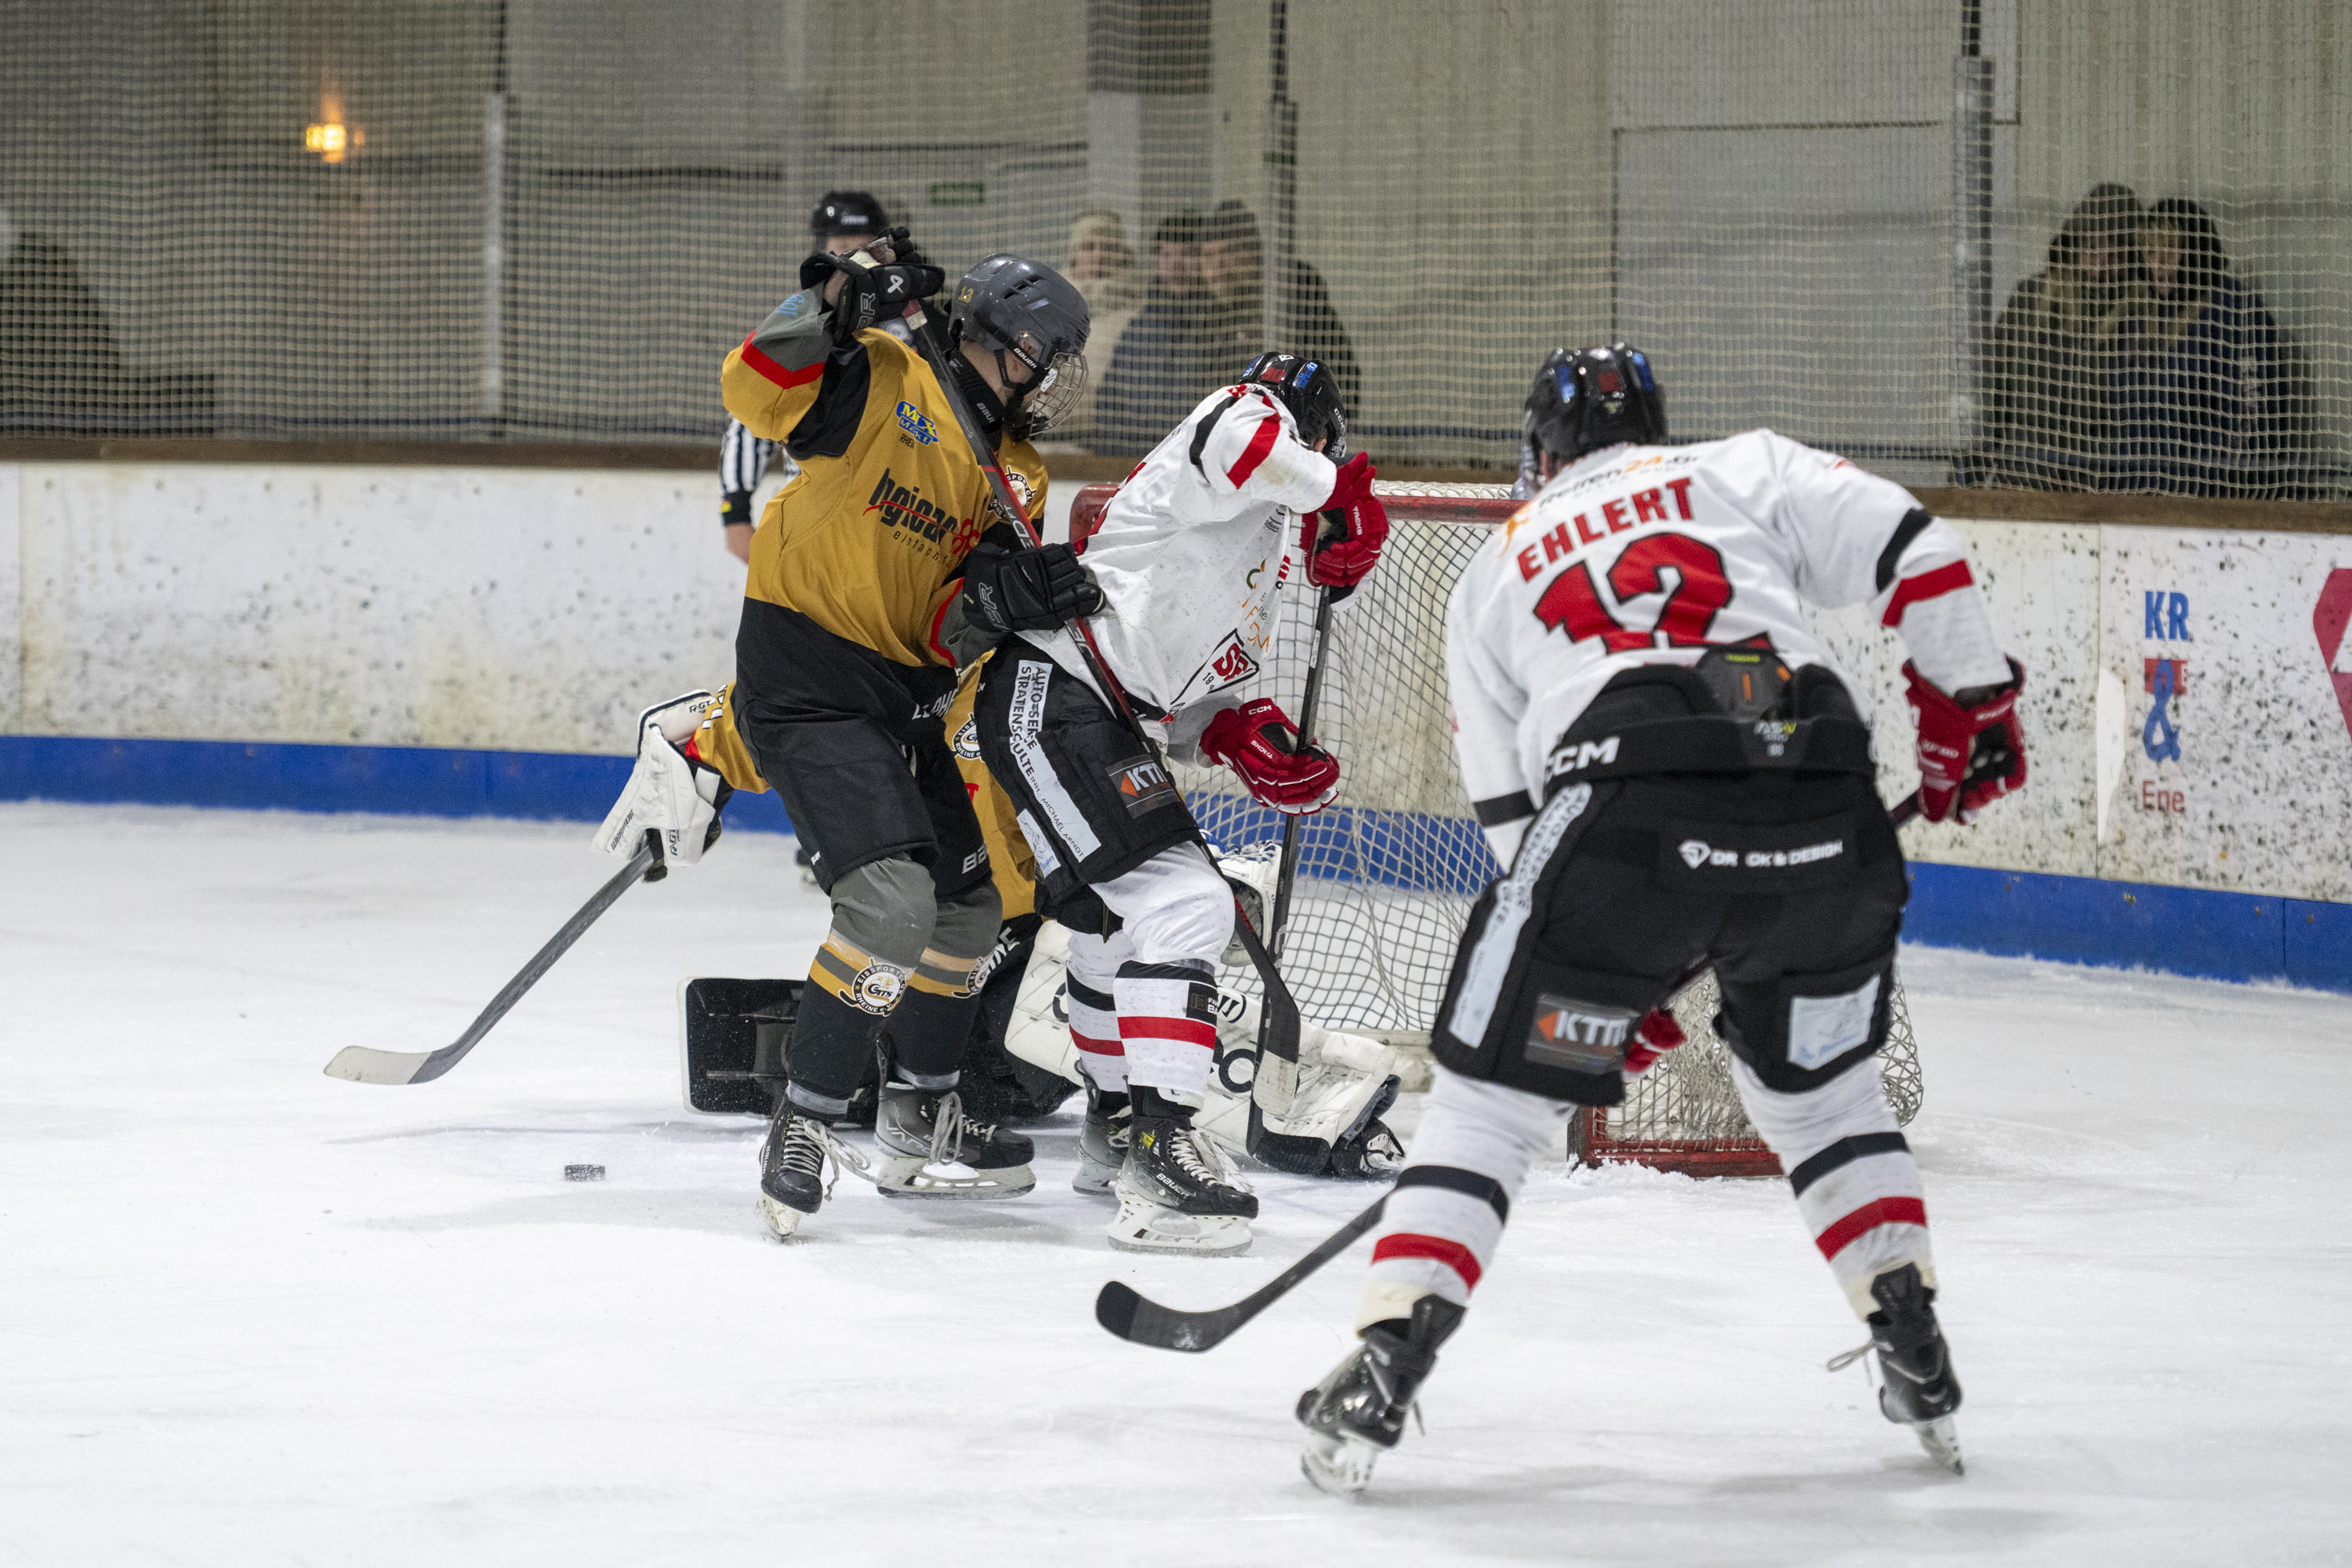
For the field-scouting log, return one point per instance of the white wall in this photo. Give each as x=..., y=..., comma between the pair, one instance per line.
x=519, y=610
x=539, y=610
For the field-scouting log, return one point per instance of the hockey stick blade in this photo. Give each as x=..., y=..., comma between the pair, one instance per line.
x=1141, y=1320
x=361, y=1064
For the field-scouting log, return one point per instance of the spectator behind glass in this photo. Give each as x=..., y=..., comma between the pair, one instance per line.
x=2046, y=407
x=1233, y=263
x=1104, y=269
x=58, y=366
x=1159, y=370
x=2207, y=394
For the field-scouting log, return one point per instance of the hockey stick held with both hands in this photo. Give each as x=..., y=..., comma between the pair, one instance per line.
x=1139, y=1320
x=362, y=1063
x=1281, y=1031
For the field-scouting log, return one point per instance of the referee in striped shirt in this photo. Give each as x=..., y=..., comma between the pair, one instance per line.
x=839, y=223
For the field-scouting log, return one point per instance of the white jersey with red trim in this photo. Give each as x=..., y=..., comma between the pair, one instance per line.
x=1192, y=548
x=1651, y=554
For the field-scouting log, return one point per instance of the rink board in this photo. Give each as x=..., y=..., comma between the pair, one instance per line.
x=2080, y=919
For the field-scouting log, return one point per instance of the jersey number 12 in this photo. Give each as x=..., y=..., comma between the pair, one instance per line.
x=1572, y=604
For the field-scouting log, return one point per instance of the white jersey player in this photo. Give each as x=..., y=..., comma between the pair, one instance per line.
x=1678, y=777
x=1189, y=558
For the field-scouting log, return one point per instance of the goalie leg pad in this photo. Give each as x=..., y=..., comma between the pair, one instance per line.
x=1852, y=1173
x=1445, y=1217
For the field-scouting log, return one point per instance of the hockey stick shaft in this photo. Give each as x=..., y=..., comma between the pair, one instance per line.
x=360, y=1064
x=1146, y=1322
x=1308, y=702
x=1281, y=1030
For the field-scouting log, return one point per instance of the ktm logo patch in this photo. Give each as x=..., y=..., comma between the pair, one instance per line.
x=1143, y=784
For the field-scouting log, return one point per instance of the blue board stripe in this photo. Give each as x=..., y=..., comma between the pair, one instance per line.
x=2078, y=920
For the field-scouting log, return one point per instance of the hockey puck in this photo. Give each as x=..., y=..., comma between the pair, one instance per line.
x=584, y=1173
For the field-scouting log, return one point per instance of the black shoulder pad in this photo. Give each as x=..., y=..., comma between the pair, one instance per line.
x=830, y=423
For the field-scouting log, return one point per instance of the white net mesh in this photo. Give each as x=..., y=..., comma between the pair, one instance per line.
x=1853, y=220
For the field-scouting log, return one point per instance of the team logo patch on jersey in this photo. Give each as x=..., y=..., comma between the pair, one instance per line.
x=966, y=743
x=1230, y=665
x=917, y=424
x=1142, y=784
x=1023, y=490
x=1578, y=1037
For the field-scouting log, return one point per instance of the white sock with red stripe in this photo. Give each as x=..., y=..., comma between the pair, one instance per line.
x=1168, y=1025
x=1446, y=1215
x=1094, y=1014
x=1857, y=1184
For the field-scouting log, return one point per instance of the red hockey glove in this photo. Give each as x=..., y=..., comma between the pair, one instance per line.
x=1343, y=558
x=1971, y=755
x=1653, y=1036
x=1354, y=483
x=1258, y=742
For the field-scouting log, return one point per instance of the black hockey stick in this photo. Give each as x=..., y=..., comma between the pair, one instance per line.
x=1143, y=1321
x=1139, y=1321
x=1309, y=701
x=361, y=1064
x=1281, y=1030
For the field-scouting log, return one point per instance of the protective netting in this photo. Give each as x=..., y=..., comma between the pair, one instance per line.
x=1388, y=872
x=1881, y=225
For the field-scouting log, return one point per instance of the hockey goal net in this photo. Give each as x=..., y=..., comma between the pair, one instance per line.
x=1388, y=872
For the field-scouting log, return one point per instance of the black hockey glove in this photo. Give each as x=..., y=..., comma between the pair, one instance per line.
x=1027, y=590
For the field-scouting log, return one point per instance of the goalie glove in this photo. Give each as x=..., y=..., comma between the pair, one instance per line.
x=1258, y=742
x=1653, y=1036
x=671, y=791
x=1970, y=755
x=1027, y=590
x=1359, y=528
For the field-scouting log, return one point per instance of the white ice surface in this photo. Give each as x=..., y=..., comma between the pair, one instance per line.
x=251, y=1315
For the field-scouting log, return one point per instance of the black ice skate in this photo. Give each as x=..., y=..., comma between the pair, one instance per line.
x=791, y=1168
x=930, y=1149
x=1177, y=1192
x=1102, y=1142
x=1358, y=1411
x=1917, y=1388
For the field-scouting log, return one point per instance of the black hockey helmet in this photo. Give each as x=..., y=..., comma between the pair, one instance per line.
x=848, y=211
x=1587, y=398
x=1306, y=388
x=1010, y=305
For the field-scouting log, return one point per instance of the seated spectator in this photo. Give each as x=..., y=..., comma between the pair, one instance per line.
x=1233, y=263
x=58, y=366
x=1102, y=265
x=1156, y=372
x=1104, y=269
x=2205, y=391
x=2046, y=372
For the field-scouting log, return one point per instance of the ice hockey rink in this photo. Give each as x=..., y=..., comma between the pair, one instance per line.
x=252, y=1314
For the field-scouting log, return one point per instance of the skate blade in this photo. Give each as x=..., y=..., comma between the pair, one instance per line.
x=913, y=1176
x=1148, y=1228
x=1942, y=1441
x=1341, y=1467
x=783, y=1221
x=1093, y=1178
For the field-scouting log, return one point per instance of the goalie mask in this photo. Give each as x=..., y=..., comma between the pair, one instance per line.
x=1307, y=389
x=1587, y=398
x=1019, y=311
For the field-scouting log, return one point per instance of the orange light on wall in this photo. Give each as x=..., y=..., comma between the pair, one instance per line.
x=330, y=138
